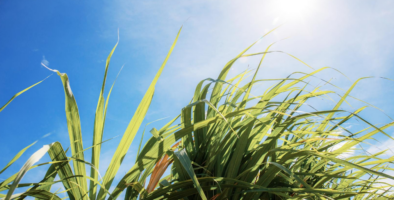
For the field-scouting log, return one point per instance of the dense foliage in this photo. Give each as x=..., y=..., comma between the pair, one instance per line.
x=229, y=144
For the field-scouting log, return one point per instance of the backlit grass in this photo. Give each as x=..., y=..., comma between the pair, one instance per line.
x=228, y=143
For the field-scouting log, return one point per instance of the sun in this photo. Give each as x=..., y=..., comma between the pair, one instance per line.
x=292, y=9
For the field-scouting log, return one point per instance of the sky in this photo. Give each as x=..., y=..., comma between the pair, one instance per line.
x=75, y=37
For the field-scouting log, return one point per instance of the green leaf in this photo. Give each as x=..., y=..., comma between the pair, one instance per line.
x=132, y=128
x=19, y=93
x=30, y=162
x=16, y=157
x=74, y=131
x=65, y=172
x=98, y=130
x=186, y=163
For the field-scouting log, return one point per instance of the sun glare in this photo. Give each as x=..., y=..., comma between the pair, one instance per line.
x=292, y=9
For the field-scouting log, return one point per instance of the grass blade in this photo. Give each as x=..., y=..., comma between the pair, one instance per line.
x=30, y=162
x=186, y=163
x=19, y=93
x=19, y=154
x=74, y=131
x=98, y=130
x=132, y=128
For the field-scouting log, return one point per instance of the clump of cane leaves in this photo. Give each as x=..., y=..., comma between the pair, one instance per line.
x=230, y=144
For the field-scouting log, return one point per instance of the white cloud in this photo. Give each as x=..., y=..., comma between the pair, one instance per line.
x=218, y=31
x=350, y=152
x=380, y=146
x=346, y=154
x=386, y=183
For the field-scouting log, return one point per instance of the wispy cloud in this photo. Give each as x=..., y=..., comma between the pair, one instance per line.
x=44, y=61
x=46, y=135
x=387, y=145
x=218, y=31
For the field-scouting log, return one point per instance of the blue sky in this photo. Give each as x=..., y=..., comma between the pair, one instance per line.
x=75, y=37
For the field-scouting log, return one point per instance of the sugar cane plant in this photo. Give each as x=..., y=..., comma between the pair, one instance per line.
x=226, y=144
